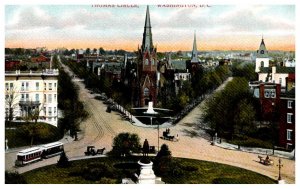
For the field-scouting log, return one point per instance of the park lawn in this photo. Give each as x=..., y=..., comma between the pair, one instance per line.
x=18, y=134
x=190, y=172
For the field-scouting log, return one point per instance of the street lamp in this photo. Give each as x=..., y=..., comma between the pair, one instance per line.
x=279, y=169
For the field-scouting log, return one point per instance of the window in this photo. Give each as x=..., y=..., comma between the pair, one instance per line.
x=49, y=98
x=54, y=110
x=280, y=80
x=23, y=86
x=289, y=117
x=262, y=51
x=37, y=97
x=261, y=64
x=49, y=111
x=27, y=97
x=146, y=92
x=55, y=86
x=50, y=86
x=45, y=111
x=290, y=104
x=22, y=97
x=27, y=86
x=153, y=62
x=146, y=62
x=6, y=86
x=270, y=93
x=45, y=86
x=11, y=86
x=37, y=85
x=54, y=97
x=6, y=97
x=45, y=98
x=289, y=134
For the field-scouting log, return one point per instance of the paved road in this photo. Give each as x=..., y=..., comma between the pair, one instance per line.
x=100, y=128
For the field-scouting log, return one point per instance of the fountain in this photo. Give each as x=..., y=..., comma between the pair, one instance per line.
x=145, y=115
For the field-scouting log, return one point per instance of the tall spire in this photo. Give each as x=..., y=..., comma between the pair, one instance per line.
x=262, y=52
x=194, y=58
x=147, y=36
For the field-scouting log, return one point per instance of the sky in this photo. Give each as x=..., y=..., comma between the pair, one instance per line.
x=218, y=27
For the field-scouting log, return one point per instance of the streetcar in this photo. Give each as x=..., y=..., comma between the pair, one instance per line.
x=37, y=153
x=28, y=155
x=52, y=149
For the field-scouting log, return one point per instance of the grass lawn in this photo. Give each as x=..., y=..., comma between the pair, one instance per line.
x=18, y=134
x=109, y=170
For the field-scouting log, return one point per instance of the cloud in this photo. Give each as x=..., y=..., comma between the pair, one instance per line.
x=168, y=25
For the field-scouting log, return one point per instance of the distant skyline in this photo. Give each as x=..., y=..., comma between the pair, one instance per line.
x=219, y=27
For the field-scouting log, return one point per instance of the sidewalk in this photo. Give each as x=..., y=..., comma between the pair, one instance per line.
x=263, y=151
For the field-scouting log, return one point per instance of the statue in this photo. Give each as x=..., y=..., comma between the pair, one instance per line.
x=145, y=148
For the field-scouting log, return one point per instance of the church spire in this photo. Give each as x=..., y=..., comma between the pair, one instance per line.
x=194, y=58
x=147, y=36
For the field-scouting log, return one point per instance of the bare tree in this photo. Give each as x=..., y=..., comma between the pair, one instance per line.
x=11, y=96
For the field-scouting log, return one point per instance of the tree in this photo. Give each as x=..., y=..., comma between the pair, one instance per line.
x=94, y=51
x=163, y=161
x=221, y=112
x=125, y=143
x=102, y=51
x=63, y=161
x=88, y=51
x=244, y=117
x=10, y=102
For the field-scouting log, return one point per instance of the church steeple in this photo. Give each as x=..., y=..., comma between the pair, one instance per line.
x=147, y=36
x=194, y=58
x=262, y=52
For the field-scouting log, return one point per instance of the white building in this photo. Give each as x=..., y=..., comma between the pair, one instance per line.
x=278, y=75
x=262, y=58
x=32, y=92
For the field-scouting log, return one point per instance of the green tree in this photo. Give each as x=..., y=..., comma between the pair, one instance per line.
x=88, y=51
x=244, y=117
x=124, y=144
x=163, y=161
x=63, y=161
x=102, y=51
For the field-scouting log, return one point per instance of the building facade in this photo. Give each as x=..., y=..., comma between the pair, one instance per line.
x=31, y=93
x=287, y=120
x=147, y=75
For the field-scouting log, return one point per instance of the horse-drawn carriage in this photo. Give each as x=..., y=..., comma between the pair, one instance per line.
x=267, y=161
x=90, y=151
x=167, y=136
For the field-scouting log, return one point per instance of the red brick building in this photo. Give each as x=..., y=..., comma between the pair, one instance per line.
x=287, y=120
x=147, y=76
x=269, y=96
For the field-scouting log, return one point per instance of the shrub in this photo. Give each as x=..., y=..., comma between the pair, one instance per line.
x=63, y=161
x=124, y=144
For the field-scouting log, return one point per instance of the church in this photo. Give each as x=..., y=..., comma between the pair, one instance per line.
x=146, y=87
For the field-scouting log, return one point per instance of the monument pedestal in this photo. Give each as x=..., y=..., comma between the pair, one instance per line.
x=147, y=175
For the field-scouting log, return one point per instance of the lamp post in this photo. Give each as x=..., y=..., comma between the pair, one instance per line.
x=279, y=169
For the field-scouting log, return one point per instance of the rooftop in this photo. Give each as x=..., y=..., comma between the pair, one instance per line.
x=46, y=72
